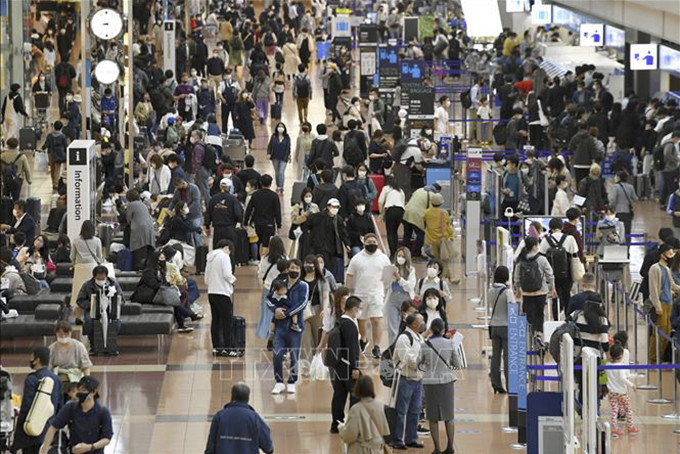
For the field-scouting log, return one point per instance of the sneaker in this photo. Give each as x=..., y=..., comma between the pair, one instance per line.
x=362, y=345
x=376, y=352
x=216, y=351
x=195, y=316
x=290, y=388
x=278, y=388
x=295, y=327
x=633, y=430
x=185, y=329
x=422, y=429
x=197, y=308
x=616, y=433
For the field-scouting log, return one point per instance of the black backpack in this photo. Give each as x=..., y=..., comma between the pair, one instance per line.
x=439, y=48
x=355, y=192
x=10, y=176
x=500, y=134
x=303, y=86
x=558, y=257
x=659, y=160
x=210, y=158
x=530, y=278
x=351, y=151
x=466, y=99
x=568, y=327
x=333, y=351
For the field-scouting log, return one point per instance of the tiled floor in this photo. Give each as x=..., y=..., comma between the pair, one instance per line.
x=162, y=400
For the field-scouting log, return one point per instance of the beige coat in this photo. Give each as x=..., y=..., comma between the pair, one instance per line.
x=414, y=212
x=291, y=59
x=365, y=428
x=23, y=166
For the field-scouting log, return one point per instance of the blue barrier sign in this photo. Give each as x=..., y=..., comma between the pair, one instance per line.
x=522, y=362
x=513, y=347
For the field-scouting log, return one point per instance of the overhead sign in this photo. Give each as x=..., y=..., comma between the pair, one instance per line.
x=367, y=63
x=541, y=14
x=643, y=57
x=341, y=26
x=81, y=187
x=592, y=35
x=368, y=34
x=669, y=59
x=514, y=6
x=411, y=71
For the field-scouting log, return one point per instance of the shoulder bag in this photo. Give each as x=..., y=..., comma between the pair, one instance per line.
x=167, y=295
x=630, y=204
x=447, y=248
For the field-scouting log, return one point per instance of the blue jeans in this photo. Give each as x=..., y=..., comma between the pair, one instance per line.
x=198, y=237
x=286, y=339
x=279, y=171
x=409, y=404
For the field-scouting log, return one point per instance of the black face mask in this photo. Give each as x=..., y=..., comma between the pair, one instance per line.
x=82, y=397
x=293, y=274
x=31, y=364
x=309, y=268
x=371, y=248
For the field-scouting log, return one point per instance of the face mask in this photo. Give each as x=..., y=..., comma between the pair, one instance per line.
x=525, y=170
x=361, y=209
x=62, y=340
x=362, y=174
x=531, y=255
x=358, y=314
x=193, y=73
x=100, y=283
x=293, y=274
x=371, y=248
x=309, y=268
x=669, y=256
x=333, y=211
x=401, y=260
x=31, y=364
x=610, y=217
x=432, y=272
x=82, y=397
x=357, y=105
x=280, y=130
x=185, y=210
x=372, y=98
x=308, y=200
x=432, y=303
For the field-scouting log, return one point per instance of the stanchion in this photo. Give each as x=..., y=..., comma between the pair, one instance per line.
x=659, y=400
x=637, y=373
x=676, y=413
x=616, y=306
x=648, y=386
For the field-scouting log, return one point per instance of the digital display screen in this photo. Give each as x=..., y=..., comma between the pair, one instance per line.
x=388, y=56
x=669, y=59
x=615, y=38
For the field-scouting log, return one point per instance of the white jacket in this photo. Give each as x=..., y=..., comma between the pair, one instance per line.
x=218, y=274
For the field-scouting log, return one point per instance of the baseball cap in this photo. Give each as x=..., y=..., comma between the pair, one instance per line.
x=225, y=182
x=334, y=202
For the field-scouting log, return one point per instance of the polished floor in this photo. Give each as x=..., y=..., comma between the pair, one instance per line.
x=162, y=393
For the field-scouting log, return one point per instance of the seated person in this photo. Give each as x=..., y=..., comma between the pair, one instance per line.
x=13, y=284
x=182, y=229
x=63, y=252
x=39, y=263
x=68, y=357
x=279, y=298
x=20, y=250
x=106, y=292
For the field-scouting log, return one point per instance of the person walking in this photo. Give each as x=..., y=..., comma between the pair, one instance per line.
x=56, y=145
x=621, y=198
x=400, y=288
x=220, y=280
x=302, y=92
x=278, y=150
x=501, y=295
x=40, y=359
x=12, y=107
x=414, y=217
x=11, y=186
x=261, y=90
x=661, y=290
x=409, y=402
x=238, y=427
x=392, y=202
x=560, y=249
x=329, y=238
x=345, y=375
x=267, y=271
x=366, y=426
x=243, y=116
x=319, y=299
x=264, y=210
x=224, y=214
x=533, y=281
x=438, y=358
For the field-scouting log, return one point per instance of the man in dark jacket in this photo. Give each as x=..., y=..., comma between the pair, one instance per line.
x=556, y=96
x=600, y=120
x=325, y=190
x=191, y=195
x=584, y=152
x=24, y=223
x=350, y=192
x=355, y=149
x=329, y=238
x=334, y=90
x=570, y=228
x=323, y=148
x=264, y=210
x=224, y=213
x=508, y=95
x=40, y=359
x=100, y=287
x=238, y=427
x=249, y=173
x=56, y=145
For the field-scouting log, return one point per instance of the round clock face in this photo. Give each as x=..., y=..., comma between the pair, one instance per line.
x=107, y=71
x=106, y=23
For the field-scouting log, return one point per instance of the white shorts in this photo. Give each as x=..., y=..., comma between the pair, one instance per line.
x=371, y=306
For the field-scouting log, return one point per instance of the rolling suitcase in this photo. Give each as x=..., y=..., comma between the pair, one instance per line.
x=391, y=416
x=238, y=335
x=275, y=111
x=379, y=182
x=33, y=208
x=242, y=246
x=108, y=346
x=27, y=139
x=643, y=186
x=296, y=194
x=201, y=258
x=124, y=260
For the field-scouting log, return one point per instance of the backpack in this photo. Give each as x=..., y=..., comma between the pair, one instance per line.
x=351, y=151
x=440, y=47
x=466, y=99
x=355, y=192
x=659, y=160
x=387, y=367
x=333, y=351
x=303, y=86
x=210, y=158
x=62, y=81
x=568, y=327
x=10, y=176
x=558, y=257
x=530, y=277
x=31, y=283
x=500, y=134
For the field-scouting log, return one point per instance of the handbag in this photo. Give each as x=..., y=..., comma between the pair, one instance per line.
x=253, y=115
x=167, y=295
x=447, y=248
x=543, y=120
x=523, y=204
x=577, y=269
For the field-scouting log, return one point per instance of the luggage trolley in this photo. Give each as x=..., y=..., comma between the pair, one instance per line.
x=41, y=100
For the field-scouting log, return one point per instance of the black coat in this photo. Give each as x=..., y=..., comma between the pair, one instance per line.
x=147, y=287
x=358, y=226
x=628, y=131
x=350, y=349
x=322, y=232
x=556, y=96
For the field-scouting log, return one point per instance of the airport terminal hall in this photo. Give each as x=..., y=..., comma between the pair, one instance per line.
x=339, y=226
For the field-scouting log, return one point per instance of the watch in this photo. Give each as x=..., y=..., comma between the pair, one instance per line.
x=106, y=23
x=107, y=72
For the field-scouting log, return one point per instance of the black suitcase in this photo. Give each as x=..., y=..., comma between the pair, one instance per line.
x=33, y=208
x=242, y=246
x=6, y=207
x=110, y=347
x=238, y=335
x=276, y=111
x=201, y=258
x=27, y=139
x=391, y=416
x=296, y=193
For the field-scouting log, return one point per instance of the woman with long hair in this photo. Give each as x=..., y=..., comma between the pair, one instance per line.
x=300, y=214
x=267, y=271
x=278, y=151
x=41, y=264
x=86, y=253
x=400, y=289
x=318, y=300
x=331, y=315
x=392, y=202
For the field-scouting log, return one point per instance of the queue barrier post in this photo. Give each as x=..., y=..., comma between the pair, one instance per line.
x=659, y=400
x=676, y=412
x=566, y=370
x=647, y=386
x=589, y=411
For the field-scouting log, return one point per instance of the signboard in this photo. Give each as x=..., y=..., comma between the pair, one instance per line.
x=368, y=62
x=591, y=35
x=368, y=34
x=669, y=59
x=411, y=71
x=513, y=347
x=473, y=174
x=420, y=102
x=514, y=6
x=410, y=30
x=388, y=67
x=615, y=39
x=169, y=45
x=643, y=57
x=541, y=14
x=341, y=26
x=81, y=187
x=522, y=387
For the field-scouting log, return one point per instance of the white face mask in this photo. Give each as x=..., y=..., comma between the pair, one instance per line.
x=432, y=272
x=185, y=210
x=401, y=260
x=308, y=200
x=357, y=105
x=610, y=217
x=361, y=209
x=280, y=130
x=333, y=210
x=358, y=314
x=362, y=174
x=62, y=340
x=372, y=98
x=525, y=170
x=100, y=283
x=432, y=303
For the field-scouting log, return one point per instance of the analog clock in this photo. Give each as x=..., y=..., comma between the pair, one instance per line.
x=106, y=23
x=107, y=71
